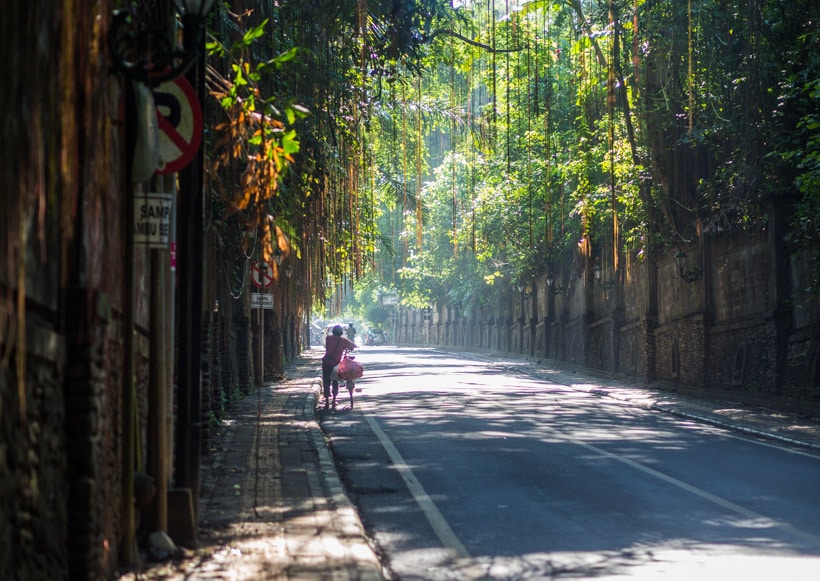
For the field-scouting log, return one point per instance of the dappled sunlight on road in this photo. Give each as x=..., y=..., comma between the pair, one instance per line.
x=468, y=428
x=448, y=390
x=642, y=562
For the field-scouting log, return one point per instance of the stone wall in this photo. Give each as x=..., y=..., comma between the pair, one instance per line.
x=681, y=351
x=62, y=265
x=33, y=460
x=726, y=319
x=93, y=382
x=802, y=366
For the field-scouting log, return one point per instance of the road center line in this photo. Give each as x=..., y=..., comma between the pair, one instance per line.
x=434, y=517
x=722, y=502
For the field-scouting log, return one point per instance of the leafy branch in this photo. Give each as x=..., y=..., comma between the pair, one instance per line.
x=254, y=145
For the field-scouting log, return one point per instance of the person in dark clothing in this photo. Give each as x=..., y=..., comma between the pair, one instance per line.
x=335, y=346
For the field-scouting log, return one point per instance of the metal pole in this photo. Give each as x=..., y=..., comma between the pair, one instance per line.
x=170, y=288
x=158, y=512
x=128, y=547
x=159, y=385
x=262, y=339
x=189, y=302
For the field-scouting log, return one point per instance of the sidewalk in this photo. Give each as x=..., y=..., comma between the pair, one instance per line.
x=282, y=514
x=279, y=514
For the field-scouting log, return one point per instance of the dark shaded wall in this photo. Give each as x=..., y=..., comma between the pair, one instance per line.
x=61, y=265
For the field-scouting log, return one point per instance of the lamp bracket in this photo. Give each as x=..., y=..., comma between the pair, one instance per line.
x=606, y=284
x=690, y=275
x=151, y=56
x=597, y=271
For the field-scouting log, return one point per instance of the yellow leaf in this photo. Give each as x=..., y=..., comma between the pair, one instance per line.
x=243, y=202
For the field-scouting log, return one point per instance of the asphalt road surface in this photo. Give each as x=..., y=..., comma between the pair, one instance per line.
x=462, y=470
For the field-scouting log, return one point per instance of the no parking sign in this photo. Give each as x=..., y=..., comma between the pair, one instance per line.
x=179, y=118
x=262, y=274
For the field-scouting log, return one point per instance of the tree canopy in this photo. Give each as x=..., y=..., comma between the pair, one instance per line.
x=446, y=149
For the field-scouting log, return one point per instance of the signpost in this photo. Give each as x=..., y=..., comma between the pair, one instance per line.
x=262, y=278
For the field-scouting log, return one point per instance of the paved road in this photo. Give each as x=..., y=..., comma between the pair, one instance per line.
x=465, y=470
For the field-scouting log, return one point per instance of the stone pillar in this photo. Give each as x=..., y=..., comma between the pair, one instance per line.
x=780, y=213
x=649, y=349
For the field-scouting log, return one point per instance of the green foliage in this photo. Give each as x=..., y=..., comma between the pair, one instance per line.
x=368, y=305
x=526, y=163
x=451, y=153
x=798, y=148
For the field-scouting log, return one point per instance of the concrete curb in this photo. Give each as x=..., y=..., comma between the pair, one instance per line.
x=359, y=549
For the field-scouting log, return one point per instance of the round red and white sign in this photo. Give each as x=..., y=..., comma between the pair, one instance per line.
x=262, y=274
x=179, y=117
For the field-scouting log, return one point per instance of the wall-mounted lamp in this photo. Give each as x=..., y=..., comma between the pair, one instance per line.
x=152, y=55
x=289, y=270
x=604, y=284
x=525, y=290
x=278, y=256
x=556, y=290
x=686, y=275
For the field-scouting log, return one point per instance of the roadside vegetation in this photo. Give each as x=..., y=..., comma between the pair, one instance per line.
x=441, y=150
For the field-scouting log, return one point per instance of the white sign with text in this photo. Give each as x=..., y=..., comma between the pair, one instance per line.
x=152, y=219
x=261, y=301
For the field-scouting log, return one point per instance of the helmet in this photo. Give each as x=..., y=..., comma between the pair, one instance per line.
x=337, y=330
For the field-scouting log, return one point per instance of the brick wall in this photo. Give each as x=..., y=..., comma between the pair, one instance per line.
x=92, y=396
x=33, y=461
x=741, y=357
x=62, y=175
x=740, y=272
x=724, y=328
